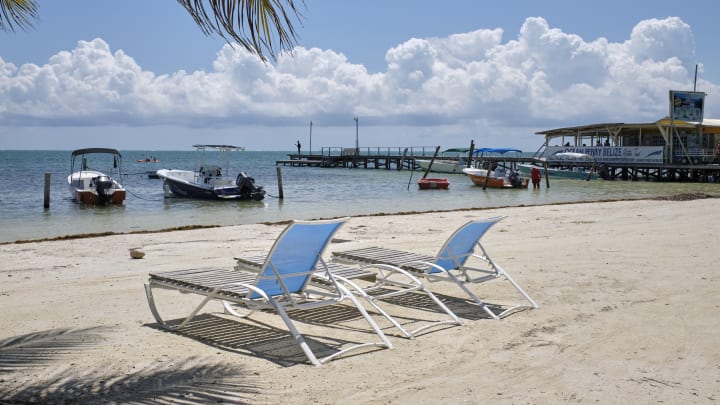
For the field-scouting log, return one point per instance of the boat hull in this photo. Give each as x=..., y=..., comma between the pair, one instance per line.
x=433, y=184
x=441, y=166
x=85, y=188
x=92, y=198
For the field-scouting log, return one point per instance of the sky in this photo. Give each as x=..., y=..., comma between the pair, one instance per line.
x=141, y=75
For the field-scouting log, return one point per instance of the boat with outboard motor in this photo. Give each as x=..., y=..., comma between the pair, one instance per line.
x=89, y=185
x=210, y=181
x=496, y=169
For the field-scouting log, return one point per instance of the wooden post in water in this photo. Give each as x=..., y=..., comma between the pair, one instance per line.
x=437, y=149
x=412, y=169
x=470, y=154
x=46, y=201
x=279, y=177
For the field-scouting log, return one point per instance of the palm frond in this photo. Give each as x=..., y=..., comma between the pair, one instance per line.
x=17, y=13
x=259, y=26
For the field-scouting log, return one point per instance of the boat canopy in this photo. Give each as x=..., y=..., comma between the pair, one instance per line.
x=496, y=150
x=220, y=147
x=87, y=151
x=456, y=150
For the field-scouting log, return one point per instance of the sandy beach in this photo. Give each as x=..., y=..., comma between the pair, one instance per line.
x=628, y=295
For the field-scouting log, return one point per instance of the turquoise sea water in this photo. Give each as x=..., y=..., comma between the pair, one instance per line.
x=308, y=193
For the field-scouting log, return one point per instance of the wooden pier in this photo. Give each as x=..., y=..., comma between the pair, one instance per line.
x=388, y=158
x=404, y=158
x=692, y=173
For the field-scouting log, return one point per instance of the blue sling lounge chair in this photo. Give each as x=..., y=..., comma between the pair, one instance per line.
x=452, y=263
x=281, y=284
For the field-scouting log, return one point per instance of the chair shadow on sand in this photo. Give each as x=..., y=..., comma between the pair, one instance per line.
x=463, y=308
x=255, y=338
x=57, y=351
x=419, y=303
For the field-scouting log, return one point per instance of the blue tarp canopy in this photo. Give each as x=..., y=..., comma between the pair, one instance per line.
x=496, y=150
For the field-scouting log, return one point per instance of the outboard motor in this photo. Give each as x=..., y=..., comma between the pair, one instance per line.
x=247, y=187
x=103, y=184
x=515, y=179
x=603, y=172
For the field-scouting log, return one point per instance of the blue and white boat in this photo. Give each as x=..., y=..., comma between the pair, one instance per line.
x=211, y=181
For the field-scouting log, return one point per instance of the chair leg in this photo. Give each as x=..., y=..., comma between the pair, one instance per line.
x=414, y=285
x=300, y=340
x=472, y=295
x=230, y=310
x=500, y=271
x=517, y=287
x=156, y=313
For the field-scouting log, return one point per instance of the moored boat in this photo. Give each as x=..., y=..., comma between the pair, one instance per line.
x=210, y=181
x=88, y=184
x=433, y=183
x=151, y=159
x=445, y=165
x=495, y=168
x=569, y=165
x=496, y=178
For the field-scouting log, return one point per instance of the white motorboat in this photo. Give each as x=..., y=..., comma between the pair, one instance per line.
x=569, y=165
x=210, y=181
x=446, y=165
x=88, y=184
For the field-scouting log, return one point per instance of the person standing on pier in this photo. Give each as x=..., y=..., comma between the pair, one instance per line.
x=298, y=146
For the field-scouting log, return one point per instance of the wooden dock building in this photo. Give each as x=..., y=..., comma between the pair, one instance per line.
x=683, y=146
x=664, y=150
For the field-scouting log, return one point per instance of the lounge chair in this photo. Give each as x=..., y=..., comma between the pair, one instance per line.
x=391, y=283
x=282, y=283
x=449, y=264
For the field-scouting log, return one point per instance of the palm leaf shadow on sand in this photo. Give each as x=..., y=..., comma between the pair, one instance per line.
x=42, y=348
x=190, y=381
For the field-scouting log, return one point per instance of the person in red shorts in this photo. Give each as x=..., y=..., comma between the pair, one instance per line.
x=535, y=176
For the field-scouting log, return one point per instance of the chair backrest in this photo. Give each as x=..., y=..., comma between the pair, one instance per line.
x=461, y=244
x=292, y=259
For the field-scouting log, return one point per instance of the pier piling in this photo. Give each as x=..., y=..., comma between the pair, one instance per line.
x=46, y=200
x=279, y=180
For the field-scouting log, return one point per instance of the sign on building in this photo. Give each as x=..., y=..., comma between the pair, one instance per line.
x=687, y=105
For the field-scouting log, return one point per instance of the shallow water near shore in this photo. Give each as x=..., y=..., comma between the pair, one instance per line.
x=309, y=193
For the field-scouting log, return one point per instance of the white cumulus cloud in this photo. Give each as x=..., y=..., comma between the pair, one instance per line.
x=540, y=77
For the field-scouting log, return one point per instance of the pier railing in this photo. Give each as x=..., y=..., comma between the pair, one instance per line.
x=377, y=157
x=378, y=151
